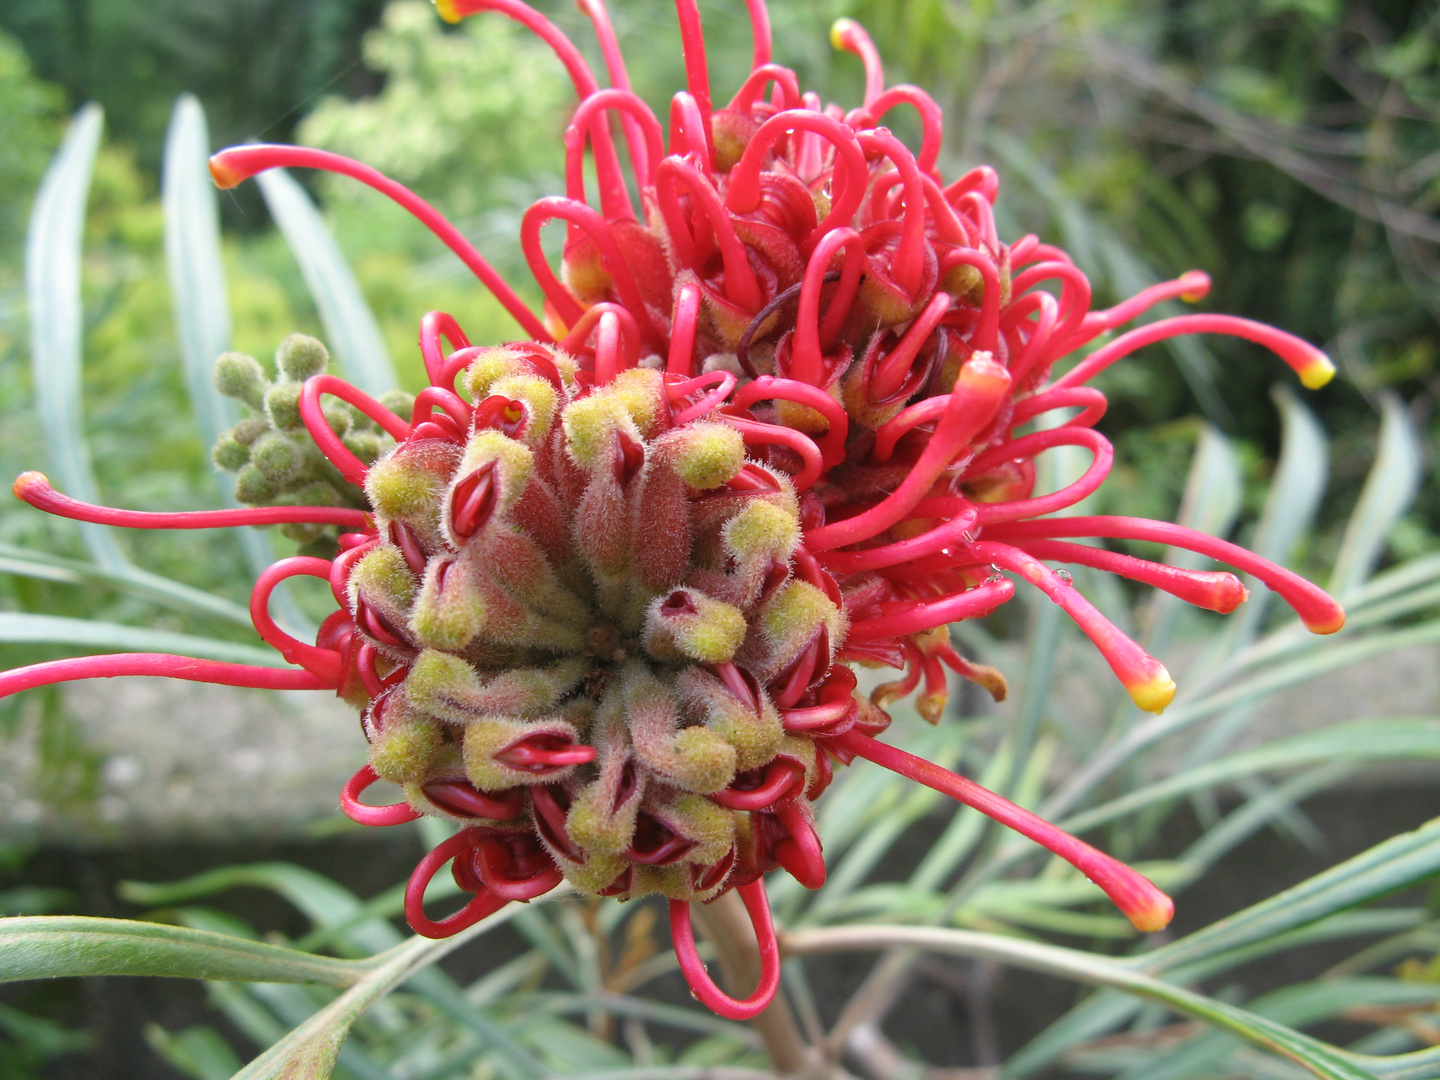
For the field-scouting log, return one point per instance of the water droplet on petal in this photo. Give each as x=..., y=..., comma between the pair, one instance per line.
x=1065, y=576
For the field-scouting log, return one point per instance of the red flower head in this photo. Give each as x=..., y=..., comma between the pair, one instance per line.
x=599, y=600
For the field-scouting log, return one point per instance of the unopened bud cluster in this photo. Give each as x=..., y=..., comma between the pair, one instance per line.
x=591, y=633
x=274, y=459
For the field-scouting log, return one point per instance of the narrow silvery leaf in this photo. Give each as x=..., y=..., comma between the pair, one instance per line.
x=52, y=946
x=192, y=257
x=1389, y=490
x=350, y=328
x=24, y=627
x=1211, y=503
x=1294, y=499
x=52, y=288
x=202, y=306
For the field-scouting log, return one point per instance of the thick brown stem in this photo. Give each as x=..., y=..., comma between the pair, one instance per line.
x=725, y=923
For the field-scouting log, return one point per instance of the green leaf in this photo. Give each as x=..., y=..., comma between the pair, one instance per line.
x=1389, y=490
x=200, y=1052
x=55, y=946
x=1211, y=503
x=341, y=917
x=137, y=583
x=57, y=320
x=1319, y=1058
x=1290, y=507
x=192, y=257
x=1399, y=861
x=1368, y=740
x=321, y=900
x=350, y=327
x=309, y=1051
x=23, y=627
x=1305, y=1003
x=202, y=305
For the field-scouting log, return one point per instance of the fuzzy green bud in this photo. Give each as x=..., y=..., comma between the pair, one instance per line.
x=340, y=418
x=407, y=483
x=490, y=366
x=277, y=457
x=538, y=396
x=694, y=625
x=449, y=611
x=300, y=356
x=403, y=750
x=239, y=376
x=382, y=576
x=228, y=453
x=761, y=530
x=252, y=486
x=398, y=402
x=282, y=406
x=641, y=393
x=787, y=623
x=365, y=445
x=489, y=740
x=590, y=427
x=248, y=430
x=705, y=455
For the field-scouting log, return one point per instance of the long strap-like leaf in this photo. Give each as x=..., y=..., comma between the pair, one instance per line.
x=52, y=288
x=350, y=327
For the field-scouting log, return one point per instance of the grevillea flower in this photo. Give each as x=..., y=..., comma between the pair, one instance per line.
x=599, y=592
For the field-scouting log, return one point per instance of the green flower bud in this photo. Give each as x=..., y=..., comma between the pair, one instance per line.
x=253, y=487
x=240, y=376
x=365, y=445
x=408, y=482
x=489, y=367
x=302, y=532
x=761, y=530
x=447, y=686
x=705, y=455
x=489, y=740
x=404, y=749
x=709, y=824
x=282, y=406
x=787, y=623
x=538, y=395
x=693, y=758
x=450, y=611
x=300, y=356
x=590, y=427
x=755, y=735
x=398, y=402
x=248, y=430
x=641, y=393
x=229, y=453
x=340, y=417
x=694, y=625
x=318, y=494
x=277, y=457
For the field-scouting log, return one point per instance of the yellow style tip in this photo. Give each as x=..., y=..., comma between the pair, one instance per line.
x=1154, y=915
x=1154, y=693
x=448, y=10
x=224, y=174
x=1330, y=625
x=27, y=481
x=1196, y=284
x=1317, y=372
x=840, y=29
